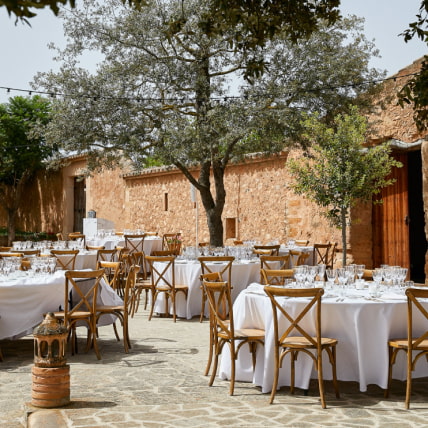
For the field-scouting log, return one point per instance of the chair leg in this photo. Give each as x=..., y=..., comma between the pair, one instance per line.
x=115, y=332
x=390, y=354
x=333, y=368
x=153, y=305
x=409, y=378
x=211, y=349
x=321, y=380
x=275, y=375
x=204, y=300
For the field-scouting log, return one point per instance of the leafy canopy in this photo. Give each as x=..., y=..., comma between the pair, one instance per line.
x=415, y=91
x=21, y=154
x=337, y=171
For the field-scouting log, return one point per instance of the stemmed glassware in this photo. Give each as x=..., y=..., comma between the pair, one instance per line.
x=331, y=276
x=342, y=276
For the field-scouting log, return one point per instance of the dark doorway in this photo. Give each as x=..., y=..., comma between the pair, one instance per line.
x=79, y=203
x=417, y=238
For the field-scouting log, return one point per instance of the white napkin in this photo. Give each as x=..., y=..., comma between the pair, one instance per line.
x=393, y=296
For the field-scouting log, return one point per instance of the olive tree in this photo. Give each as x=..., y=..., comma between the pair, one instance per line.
x=338, y=171
x=163, y=90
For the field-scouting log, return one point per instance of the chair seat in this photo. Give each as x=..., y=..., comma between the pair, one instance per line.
x=250, y=333
x=76, y=315
x=302, y=342
x=403, y=343
x=177, y=287
x=112, y=308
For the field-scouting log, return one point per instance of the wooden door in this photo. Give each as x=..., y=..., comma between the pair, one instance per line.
x=79, y=204
x=391, y=221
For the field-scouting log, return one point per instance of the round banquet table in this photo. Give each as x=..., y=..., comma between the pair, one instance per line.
x=361, y=324
x=25, y=297
x=188, y=273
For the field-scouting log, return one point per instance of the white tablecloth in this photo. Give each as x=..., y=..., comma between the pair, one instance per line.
x=188, y=273
x=24, y=300
x=362, y=327
x=151, y=243
x=283, y=251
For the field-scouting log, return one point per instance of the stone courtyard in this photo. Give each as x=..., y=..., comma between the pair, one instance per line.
x=160, y=383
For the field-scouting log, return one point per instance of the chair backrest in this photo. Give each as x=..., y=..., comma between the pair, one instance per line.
x=84, y=286
x=301, y=242
x=172, y=242
x=220, y=304
x=275, y=276
x=414, y=306
x=209, y=264
x=30, y=252
x=106, y=255
x=65, y=259
x=12, y=255
x=139, y=259
x=111, y=273
x=162, y=268
x=332, y=256
x=160, y=253
x=135, y=242
x=60, y=236
x=274, y=262
x=95, y=247
x=295, y=319
x=269, y=250
x=77, y=236
x=298, y=258
x=321, y=253
x=131, y=279
x=211, y=277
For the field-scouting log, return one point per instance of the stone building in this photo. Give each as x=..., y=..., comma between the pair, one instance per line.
x=259, y=204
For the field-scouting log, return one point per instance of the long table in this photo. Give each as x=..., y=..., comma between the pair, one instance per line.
x=24, y=298
x=361, y=325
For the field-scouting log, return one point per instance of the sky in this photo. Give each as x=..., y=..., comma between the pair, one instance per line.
x=24, y=51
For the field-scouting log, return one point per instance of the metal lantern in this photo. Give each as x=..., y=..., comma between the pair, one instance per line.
x=51, y=374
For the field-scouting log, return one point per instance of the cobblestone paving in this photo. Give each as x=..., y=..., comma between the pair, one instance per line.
x=160, y=383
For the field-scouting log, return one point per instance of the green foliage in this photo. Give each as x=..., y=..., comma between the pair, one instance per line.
x=24, y=9
x=21, y=153
x=415, y=91
x=163, y=93
x=337, y=171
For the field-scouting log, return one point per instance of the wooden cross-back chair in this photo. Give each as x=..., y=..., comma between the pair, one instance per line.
x=135, y=242
x=84, y=286
x=275, y=276
x=321, y=253
x=298, y=258
x=295, y=338
x=122, y=312
x=274, y=262
x=221, y=264
x=65, y=259
x=143, y=283
x=331, y=256
x=212, y=277
x=266, y=250
x=223, y=330
x=112, y=272
x=105, y=255
x=163, y=281
x=415, y=346
x=172, y=242
x=77, y=236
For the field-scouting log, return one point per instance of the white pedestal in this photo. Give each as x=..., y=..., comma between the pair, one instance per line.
x=92, y=225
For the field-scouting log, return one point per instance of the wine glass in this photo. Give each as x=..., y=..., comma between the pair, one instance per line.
x=331, y=276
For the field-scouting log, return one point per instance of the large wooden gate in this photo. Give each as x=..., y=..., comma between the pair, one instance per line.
x=391, y=221
x=79, y=204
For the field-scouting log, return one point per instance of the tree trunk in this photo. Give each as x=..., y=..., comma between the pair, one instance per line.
x=343, y=223
x=11, y=233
